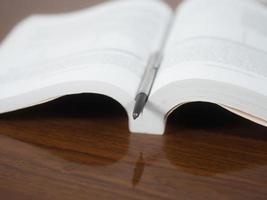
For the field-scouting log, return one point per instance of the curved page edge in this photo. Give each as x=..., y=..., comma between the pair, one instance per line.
x=49, y=93
x=163, y=102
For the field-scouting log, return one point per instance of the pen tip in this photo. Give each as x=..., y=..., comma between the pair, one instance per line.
x=135, y=115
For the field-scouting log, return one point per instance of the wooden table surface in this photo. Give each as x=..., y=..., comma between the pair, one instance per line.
x=79, y=147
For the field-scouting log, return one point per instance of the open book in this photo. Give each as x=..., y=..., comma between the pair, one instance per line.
x=213, y=51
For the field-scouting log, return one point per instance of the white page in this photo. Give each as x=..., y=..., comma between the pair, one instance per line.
x=109, y=43
x=216, y=52
x=227, y=35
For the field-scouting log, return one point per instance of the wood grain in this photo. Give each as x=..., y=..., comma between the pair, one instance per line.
x=79, y=147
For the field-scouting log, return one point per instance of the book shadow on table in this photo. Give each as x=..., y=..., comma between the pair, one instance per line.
x=86, y=128
x=205, y=139
x=201, y=139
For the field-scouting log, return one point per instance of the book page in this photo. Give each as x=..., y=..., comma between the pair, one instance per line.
x=216, y=53
x=228, y=37
x=109, y=43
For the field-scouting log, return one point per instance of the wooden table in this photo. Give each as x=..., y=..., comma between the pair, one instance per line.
x=79, y=147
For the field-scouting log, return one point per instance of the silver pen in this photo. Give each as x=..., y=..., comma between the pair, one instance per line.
x=147, y=83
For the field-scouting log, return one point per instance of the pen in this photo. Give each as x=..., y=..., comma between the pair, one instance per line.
x=147, y=83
